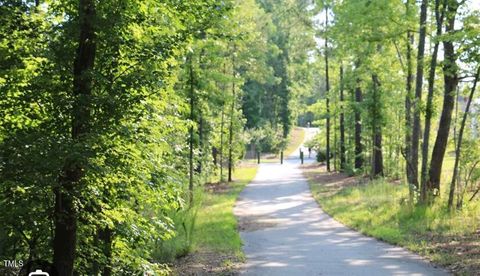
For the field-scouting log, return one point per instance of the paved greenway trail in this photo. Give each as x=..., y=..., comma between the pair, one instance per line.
x=286, y=233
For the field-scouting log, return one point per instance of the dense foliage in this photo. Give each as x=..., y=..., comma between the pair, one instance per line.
x=402, y=100
x=114, y=112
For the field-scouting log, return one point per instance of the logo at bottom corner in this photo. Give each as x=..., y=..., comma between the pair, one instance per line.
x=38, y=272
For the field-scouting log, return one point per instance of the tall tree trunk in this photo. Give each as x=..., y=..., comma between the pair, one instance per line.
x=408, y=115
x=65, y=216
x=377, y=155
x=201, y=129
x=459, y=142
x=327, y=90
x=106, y=236
x=450, y=72
x=285, y=112
x=232, y=112
x=418, y=93
x=358, y=127
x=200, y=142
x=190, y=142
x=103, y=241
x=335, y=143
x=439, y=15
x=342, y=124
x=222, y=125
x=107, y=270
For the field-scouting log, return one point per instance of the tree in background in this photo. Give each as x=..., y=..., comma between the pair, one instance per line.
x=97, y=95
x=450, y=73
x=439, y=17
x=114, y=114
x=378, y=51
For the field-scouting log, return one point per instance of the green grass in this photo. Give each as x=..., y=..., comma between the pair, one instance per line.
x=296, y=139
x=209, y=227
x=380, y=209
x=216, y=226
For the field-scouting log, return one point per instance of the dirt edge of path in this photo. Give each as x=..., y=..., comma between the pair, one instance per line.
x=207, y=263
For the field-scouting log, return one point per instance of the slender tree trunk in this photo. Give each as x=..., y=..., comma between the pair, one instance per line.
x=190, y=142
x=418, y=92
x=342, y=124
x=284, y=101
x=377, y=166
x=358, y=127
x=350, y=124
x=455, y=121
x=201, y=134
x=65, y=216
x=459, y=142
x=106, y=236
x=222, y=125
x=327, y=90
x=408, y=114
x=201, y=129
x=429, y=106
x=377, y=155
x=232, y=112
x=335, y=143
x=450, y=71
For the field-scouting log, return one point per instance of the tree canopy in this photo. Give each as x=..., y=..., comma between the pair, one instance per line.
x=113, y=114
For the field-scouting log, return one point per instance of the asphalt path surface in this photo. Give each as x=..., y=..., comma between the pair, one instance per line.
x=285, y=232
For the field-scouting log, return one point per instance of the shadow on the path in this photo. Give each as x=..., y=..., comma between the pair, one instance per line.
x=292, y=236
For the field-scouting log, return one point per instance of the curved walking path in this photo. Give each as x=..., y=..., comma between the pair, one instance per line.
x=286, y=233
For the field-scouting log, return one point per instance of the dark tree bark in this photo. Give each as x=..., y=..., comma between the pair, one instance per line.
x=335, y=143
x=418, y=93
x=103, y=241
x=342, y=124
x=439, y=15
x=450, y=72
x=214, y=156
x=65, y=216
x=358, y=128
x=221, y=143
x=458, y=151
x=230, y=135
x=377, y=156
x=285, y=112
x=107, y=237
x=222, y=125
x=201, y=134
x=190, y=140
x=408, y=111
x=327, y=90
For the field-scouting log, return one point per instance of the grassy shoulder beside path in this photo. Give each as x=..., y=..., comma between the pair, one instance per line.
x=216, y=247
x=296, y=139
x=380, y=209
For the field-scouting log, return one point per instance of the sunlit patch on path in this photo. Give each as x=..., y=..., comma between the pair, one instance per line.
x=286, y=233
